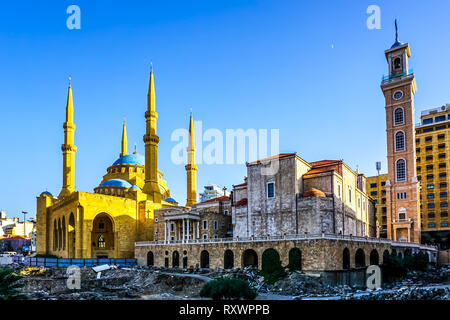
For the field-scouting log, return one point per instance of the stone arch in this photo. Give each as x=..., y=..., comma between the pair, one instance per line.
x=346, y=259
x=59, y=234
x=71, y=236
x=55, y=236
x=228, y=259
x=374, y=257
x=270, y=259
x=360, y=258
x=204, y=259
x=295, y=259
x=175, y=259
x=400, y=255
x=385, y=256
x=407, y=252
x=64, y=238
x=250, y=258
x=150, y=259
x=102, y=236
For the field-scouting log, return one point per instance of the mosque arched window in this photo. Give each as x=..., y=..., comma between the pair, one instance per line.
x=101, y=241
x=399, y=116
x=400, y=141
x=400, y=168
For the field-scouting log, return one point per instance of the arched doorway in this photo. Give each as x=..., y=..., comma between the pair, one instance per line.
x=102, y=236
x=270, y=260
x=360, y=258
x=250, y=258
x=59, y=235
x=175, y=259
x=374, y=257
x=55, y=236
x=150, y=259
x=228, y=259
x=71, y=236
x=346, y=259
x=204, y=259
x=295, y=259
x=385, y=256
x=64, y=233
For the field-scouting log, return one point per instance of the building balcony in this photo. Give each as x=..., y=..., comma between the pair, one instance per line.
x=388, y=78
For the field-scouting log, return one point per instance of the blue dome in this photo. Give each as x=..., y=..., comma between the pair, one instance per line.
x=134, y=158
x=135, y=187
x=396, y=44
x=170, y=200
x=47, y=193
x=116, y=183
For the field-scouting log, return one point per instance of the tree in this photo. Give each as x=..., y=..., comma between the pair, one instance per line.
x=9, y=285
x=228, y=288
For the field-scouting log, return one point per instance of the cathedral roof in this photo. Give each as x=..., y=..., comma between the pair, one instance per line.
x=116, y=183
x=170, y=200
x=46, y=193
x=134, y=158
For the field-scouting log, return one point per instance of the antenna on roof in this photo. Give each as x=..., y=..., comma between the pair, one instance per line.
x=378, y=166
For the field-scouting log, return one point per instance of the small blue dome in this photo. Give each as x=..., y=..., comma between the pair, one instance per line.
x=396, y=44
x=134, y=158
x=116, y=183
x=170, y=200
x=46, y=193
x=135, y=187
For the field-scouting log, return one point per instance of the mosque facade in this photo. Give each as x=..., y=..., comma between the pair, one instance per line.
x=106, y=223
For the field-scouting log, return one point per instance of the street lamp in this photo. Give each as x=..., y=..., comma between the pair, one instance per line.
x=24, y=232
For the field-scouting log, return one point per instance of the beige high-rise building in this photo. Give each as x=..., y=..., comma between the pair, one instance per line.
x=433, y=172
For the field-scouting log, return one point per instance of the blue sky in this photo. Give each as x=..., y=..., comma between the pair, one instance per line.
x=311, y=69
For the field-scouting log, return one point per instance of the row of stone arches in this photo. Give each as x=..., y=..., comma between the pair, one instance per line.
x=249, y=259
x=360, y=258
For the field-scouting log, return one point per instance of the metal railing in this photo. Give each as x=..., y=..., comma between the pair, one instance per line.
x=388, y=78
x=287, y=237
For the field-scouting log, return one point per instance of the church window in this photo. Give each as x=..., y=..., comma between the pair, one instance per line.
x=349, y=194
x=205, y=224
x=401, y=214
x=216, y=225
x=101, y=242
x=397, y=63
x=399, y=116
x=400, y=141
x=400, y=167
x=270, y=189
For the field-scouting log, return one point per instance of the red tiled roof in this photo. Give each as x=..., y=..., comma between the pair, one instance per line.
x=323, y=162
x=240, y=185
x=319, y=170
x=222, y=198
x=281, y=155
x=242, y=202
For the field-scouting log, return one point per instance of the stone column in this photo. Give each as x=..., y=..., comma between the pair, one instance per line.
x=184, y=233
x=188, y=230
x=165, y=231
x=198, y=229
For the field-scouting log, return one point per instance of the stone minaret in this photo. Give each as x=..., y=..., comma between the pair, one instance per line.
x=151, y=140
x=191, y=168
x=68, y=149
x=124, y=141
x=402, y=188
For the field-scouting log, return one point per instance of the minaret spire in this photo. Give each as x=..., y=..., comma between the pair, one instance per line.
x=68, y=148
x=151, y=140
x=124, y=140
x=396, y=31
x=191, y=168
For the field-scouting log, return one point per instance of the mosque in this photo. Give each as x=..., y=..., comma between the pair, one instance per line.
x=106, y=223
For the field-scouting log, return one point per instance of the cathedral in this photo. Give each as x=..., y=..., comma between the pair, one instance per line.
x=106, y=223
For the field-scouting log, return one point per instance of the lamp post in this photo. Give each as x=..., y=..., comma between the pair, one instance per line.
x=24, y=232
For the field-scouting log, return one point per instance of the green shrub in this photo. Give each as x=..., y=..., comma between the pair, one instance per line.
x=9, y=285
x=395, y=267
x=228, y=288
x=272, y=270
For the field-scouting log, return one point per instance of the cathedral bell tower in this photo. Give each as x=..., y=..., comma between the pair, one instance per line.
x=402, y=187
